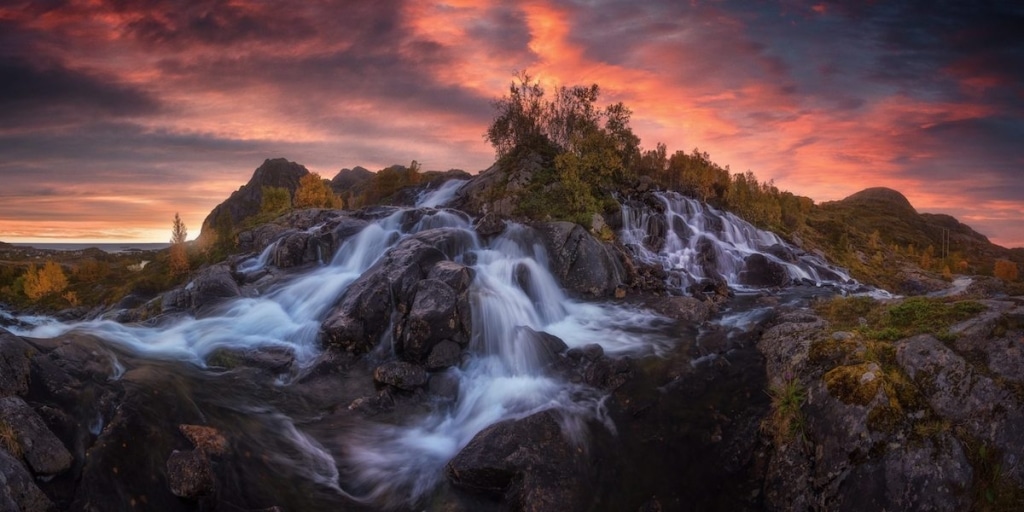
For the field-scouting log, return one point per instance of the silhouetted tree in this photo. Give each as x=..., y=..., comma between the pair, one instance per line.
x=179, y=253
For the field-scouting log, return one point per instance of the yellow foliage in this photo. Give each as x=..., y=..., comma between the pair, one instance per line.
x=1005, y=270
x=71, y=297
x=314, y=192
x=44, y=281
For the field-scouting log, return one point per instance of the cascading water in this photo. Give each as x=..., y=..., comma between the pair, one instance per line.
x=506, y=375
x=694, y=241
x=440, y=196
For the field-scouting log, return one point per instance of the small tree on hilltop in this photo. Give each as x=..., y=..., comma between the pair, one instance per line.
x=275, y=200
x=179, y=253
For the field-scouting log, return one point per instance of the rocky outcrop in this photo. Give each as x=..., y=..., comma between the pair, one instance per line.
x=762, y=272
x=529, y=463
x=579, y=261
x=411, y=291
x=15, y=364
x=42, y=451
x=915, y=424
x=18, y=491
x=245, y=201
x=209, y=287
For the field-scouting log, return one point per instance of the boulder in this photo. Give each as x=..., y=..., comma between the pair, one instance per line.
x=297, y=249
x=40, y=448
x=579, y=261
x=189, y=474
x=365, y=311
x=761, y=271
x=489, y=225
x=401, y=375
x=444, y=355
x=527, y=462
x=209, y=287
x=434, y=317
x=15, y=364
x=18, y=491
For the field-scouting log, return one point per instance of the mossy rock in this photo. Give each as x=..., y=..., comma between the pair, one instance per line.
x=854, y=384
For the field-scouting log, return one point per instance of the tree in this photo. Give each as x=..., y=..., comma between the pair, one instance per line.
x=44, y=281
x=315, y=192
x=1005, y=270
x=275, y=200
x=179, y=253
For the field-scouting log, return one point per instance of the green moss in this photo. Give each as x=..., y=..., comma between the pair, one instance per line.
x=847, y=383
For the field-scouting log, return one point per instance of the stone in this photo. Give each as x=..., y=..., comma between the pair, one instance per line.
x=208, y=440
x=18, y=490
x=434, y=317
x=444, y=355
x=401, y=375
x=44, y=453
x=579, y=261
x=189, y=474
x=15, y=364
x=761, y=271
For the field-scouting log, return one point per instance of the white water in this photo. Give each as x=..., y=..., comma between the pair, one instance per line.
x=440, y=196
x=733, y=239
x=506, y=376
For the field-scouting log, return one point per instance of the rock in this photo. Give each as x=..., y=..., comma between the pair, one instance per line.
x=444, y=385
x=297, y=249
x=391, y=286
x=688, y=309
x=579, y=261
x=15, y=364
x=444, y=355
x=763, y=272
x=18, y=491
x=401, y=375
x=489, y=225
x=189, y=474
x=246, y=201
x=208, y=288
x=544, y=347
x=434, y=317
x=40, y=448
x=272, y=359
x=528, y=462
x=207, y=440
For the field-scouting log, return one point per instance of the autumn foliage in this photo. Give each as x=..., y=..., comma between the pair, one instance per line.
x=315, y=192
x=1005, y=270
x=40, y=282
x=179, y=253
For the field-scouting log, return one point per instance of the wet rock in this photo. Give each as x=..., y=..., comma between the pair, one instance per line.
x=18, y=491
x=579, y=261
x=207, y=440
x=528, y=462
x=489, y=225
x=345, y=228
x=272, y=359
x=688, y=309
x=15, y=364
x=297, y=249
x=545, y=347
x=444, y=355
x=444, y=385
x=260, y=237
x=40, y=448
x=365, y=311
x=434, y=317
x=208, y=288
x=189, y=474
x=763, y=272
x=401, y=374
x=457, y=276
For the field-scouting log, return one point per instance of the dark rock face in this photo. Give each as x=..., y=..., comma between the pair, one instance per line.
x=245, y=201
x=189, y=474
x=15, y=365
x=763, y=272
x=43, y=452
x=297, y=249
x=580, y=262
x=528, y=462
x=350, y=180
x=401, y=375
x=416, y=286
x=18, y=491
x=211, y=286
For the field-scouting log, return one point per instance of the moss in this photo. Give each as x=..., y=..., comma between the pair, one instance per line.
x=885, y=418
x=992, y=489
x=846, y=384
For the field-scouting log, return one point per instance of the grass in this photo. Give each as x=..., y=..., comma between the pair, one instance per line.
x=880, y=321
x=786, y=420
x=9, y=440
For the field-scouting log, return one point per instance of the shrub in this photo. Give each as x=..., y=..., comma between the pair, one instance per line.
x=1005, y=270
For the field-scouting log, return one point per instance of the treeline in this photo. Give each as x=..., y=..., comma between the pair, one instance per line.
x=589, y=153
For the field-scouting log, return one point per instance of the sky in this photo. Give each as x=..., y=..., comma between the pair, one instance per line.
x=116, y=114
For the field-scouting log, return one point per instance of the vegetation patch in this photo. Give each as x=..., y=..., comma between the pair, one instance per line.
x=9, y=440
x=785, y=422
x=854, y=384
x=893, y=321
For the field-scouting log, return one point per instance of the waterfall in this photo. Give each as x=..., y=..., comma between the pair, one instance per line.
x=440, y=196
x=694, y=242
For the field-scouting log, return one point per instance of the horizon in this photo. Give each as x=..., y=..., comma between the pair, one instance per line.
x=123, y=115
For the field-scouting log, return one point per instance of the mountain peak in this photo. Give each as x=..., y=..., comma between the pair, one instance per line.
x=884, y=195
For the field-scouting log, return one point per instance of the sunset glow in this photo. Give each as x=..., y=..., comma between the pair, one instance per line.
x=117, y=115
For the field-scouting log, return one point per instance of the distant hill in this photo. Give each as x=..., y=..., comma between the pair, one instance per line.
x=352, y=180
x=245, y=201
x=876, y=231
